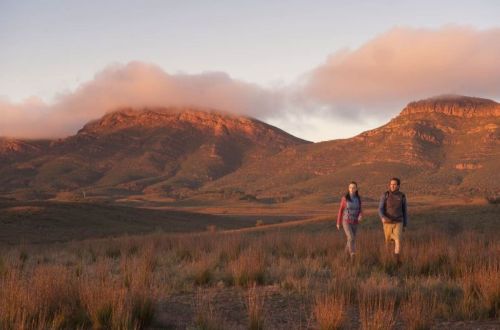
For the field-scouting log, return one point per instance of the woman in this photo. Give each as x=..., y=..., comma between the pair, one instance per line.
x=349, y=216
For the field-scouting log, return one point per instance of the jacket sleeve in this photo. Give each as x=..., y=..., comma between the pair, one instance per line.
x=405, y=212
x=341, y=210
x=381, y=208
x=360, y=208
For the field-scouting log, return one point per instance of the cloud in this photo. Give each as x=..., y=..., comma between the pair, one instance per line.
x=360, y=87
x=136, y=85
x=23, y=119
x=406, y=64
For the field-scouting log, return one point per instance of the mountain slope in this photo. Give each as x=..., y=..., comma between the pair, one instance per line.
x=447, y=144
x=168, y=151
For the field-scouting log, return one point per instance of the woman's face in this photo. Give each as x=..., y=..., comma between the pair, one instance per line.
x=352, y=188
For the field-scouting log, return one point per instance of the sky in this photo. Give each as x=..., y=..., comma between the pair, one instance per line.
x=320, y=70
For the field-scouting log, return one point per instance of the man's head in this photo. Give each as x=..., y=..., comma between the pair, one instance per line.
x=394, y=184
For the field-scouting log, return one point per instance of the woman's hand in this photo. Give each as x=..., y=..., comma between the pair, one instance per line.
x=338, y=227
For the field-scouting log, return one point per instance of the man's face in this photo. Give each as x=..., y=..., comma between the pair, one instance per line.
x=393, y=185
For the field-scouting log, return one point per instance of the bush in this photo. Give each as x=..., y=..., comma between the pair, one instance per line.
x=493, y=199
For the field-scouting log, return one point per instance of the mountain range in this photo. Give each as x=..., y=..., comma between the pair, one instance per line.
x=443, y=145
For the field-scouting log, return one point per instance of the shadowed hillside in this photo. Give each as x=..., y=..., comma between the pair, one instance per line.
x=448, y=144
x=166, y=151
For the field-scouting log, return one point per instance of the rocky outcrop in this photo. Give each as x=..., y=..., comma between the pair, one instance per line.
x=468, y=166
x=16, y=149
x=14, y=146
x=454, y=105
x=210, y=121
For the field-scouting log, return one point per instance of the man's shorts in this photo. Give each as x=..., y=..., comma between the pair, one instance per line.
x=393, y=231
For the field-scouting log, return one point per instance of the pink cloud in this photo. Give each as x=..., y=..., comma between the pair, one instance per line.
x=378, y=79
x=406, y=64
x=136, y=85
x=23, y=119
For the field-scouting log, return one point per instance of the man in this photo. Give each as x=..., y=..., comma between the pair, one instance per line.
x=393, y=213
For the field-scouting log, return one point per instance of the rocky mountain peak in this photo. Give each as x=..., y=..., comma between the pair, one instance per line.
x=128, y=117
x=204, y=120
x=454, y=105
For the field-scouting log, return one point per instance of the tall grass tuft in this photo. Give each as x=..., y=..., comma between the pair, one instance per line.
x=377, y=309
x=255, y=308
x=249, y=268
x=418, y=310
x=330, y=312
x=206, y=317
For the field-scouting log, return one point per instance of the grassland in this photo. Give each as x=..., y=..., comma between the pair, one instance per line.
x=39, y=222
x=273, y=276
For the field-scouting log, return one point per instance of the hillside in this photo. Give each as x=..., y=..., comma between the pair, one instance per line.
x=165, y=151
x=447, y=144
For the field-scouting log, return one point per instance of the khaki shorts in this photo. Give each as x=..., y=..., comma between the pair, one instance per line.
x=393, y=231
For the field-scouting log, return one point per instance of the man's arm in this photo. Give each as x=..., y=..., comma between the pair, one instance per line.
x=405, y=212
x=381, y=208
x=360, y=215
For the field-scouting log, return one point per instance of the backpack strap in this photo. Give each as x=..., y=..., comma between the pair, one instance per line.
x=386, y=195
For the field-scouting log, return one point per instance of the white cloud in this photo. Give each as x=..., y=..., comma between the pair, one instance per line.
x=353, y=88
x=135, y=85
x=406, y=64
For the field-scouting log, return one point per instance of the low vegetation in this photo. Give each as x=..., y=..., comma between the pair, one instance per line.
x=295, y=277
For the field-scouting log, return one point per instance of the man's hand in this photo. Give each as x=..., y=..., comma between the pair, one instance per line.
x=360, y=218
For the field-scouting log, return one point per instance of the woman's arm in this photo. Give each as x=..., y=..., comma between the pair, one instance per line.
x=341, y=211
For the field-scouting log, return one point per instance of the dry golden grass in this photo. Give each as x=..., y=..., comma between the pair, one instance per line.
x=377, y=297
x=43, y=295
x=377, y=311
x=418, y=310
x=249, y=267
x=123, y=282
x=329, y=312
x=255, y=308
x=206, y=315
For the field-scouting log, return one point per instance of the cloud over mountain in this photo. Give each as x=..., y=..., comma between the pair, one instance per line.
x=136, y=85
x=404, y=64
x=366, y=84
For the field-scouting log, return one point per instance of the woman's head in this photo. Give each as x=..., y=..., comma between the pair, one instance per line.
x=353, y=187
x=352, y=190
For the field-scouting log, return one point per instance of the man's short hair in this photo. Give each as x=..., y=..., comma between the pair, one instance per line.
x=397, y=180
